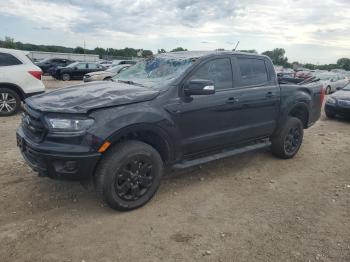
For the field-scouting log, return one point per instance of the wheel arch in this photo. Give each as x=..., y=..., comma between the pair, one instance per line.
x=300, y=111
x=149, y=134
x=15, y=88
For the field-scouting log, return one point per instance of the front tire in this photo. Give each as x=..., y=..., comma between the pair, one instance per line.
x=129, y=175
x=328, y=90
x=65, y=77
x=287, y=143
x=329, y=114
x=10, y=102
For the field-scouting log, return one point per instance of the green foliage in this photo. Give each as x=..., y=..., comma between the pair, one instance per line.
x=9, y=43
x=344, y=63
x=147, y=53
x=103, y=53
x=177, y=49
x=327, y=67
x=160, y=51
x=79, y=50
x=278, y=57
x=310, y=66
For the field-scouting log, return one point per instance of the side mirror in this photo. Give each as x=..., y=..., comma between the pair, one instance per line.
x=199, y=87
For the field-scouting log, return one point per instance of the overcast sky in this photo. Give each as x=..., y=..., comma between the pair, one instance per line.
x=310, y=31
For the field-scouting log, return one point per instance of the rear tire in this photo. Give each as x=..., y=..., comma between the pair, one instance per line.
x=287, y=143
x=10, y=102
x=65, y=77
x=328, y=90
x=129, y=175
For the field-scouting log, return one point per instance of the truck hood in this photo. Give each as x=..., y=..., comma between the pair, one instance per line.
x=84, y=97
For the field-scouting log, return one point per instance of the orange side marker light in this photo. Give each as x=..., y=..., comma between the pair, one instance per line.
x=104, y=147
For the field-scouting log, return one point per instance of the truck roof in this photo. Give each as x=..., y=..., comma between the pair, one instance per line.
x=199, y=54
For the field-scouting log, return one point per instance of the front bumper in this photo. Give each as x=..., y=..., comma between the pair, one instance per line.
x=88, y=79
x=57, y=165
x=33, y=94
x=338, y=110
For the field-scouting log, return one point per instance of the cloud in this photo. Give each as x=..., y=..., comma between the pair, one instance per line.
x=288, y=22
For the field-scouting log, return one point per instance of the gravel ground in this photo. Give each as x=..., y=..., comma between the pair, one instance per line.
x=251, y=207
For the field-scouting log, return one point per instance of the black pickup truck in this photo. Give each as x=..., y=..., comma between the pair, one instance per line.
x=172, y=110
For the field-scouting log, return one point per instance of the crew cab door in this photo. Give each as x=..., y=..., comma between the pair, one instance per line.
x=258, y=97
x=244, y=107
x=205, y=121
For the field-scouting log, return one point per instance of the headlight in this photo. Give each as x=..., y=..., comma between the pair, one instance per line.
x=331, y=101
x=69, y=125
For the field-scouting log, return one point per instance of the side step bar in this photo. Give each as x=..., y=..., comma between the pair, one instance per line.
x=265, y=143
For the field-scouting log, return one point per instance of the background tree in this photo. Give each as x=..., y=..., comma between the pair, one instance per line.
x=9, y=43
x=344, y=63
x=178, y=49
x=147, y=53
x=278, y=57
x=310, y=66
x=79, y=50
x=100, y=51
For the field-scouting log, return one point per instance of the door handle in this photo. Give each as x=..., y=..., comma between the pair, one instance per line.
x=232, y=100
x=269, y=95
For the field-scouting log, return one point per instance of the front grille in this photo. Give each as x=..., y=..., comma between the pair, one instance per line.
x=32, y=124
x=344, y=103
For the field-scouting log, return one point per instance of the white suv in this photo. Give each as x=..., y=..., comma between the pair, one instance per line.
x=19, y=79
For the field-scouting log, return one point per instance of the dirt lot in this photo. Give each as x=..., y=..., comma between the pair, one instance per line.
x=252, y=207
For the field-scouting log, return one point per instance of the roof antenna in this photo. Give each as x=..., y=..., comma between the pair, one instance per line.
x=236, y=46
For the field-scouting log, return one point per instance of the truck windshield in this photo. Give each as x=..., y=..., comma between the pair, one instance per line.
x=154, y=72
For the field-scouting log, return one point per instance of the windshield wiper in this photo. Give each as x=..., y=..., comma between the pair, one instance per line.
x=130, y=82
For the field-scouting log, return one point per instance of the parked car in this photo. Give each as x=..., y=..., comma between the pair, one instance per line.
x=19, y=79
x=339, y=103
x=105, y=75
x=106, y=64
x=122, y=62
x=333, y=82
x=305, y=74
x=48, y=64
x=176, y=109
x=76, y=71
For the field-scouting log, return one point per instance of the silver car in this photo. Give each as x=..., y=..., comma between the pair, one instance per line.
x=105, y=75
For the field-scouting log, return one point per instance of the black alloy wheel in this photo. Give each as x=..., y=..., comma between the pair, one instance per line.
x=286, y=143
x=292, y=140
x=134, y=178
x=128, y=175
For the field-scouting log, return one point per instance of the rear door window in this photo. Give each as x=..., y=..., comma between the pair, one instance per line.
x=93, y=66
x=252, y=71
x=219, y=71
x=82, y=66
x=8, y=60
